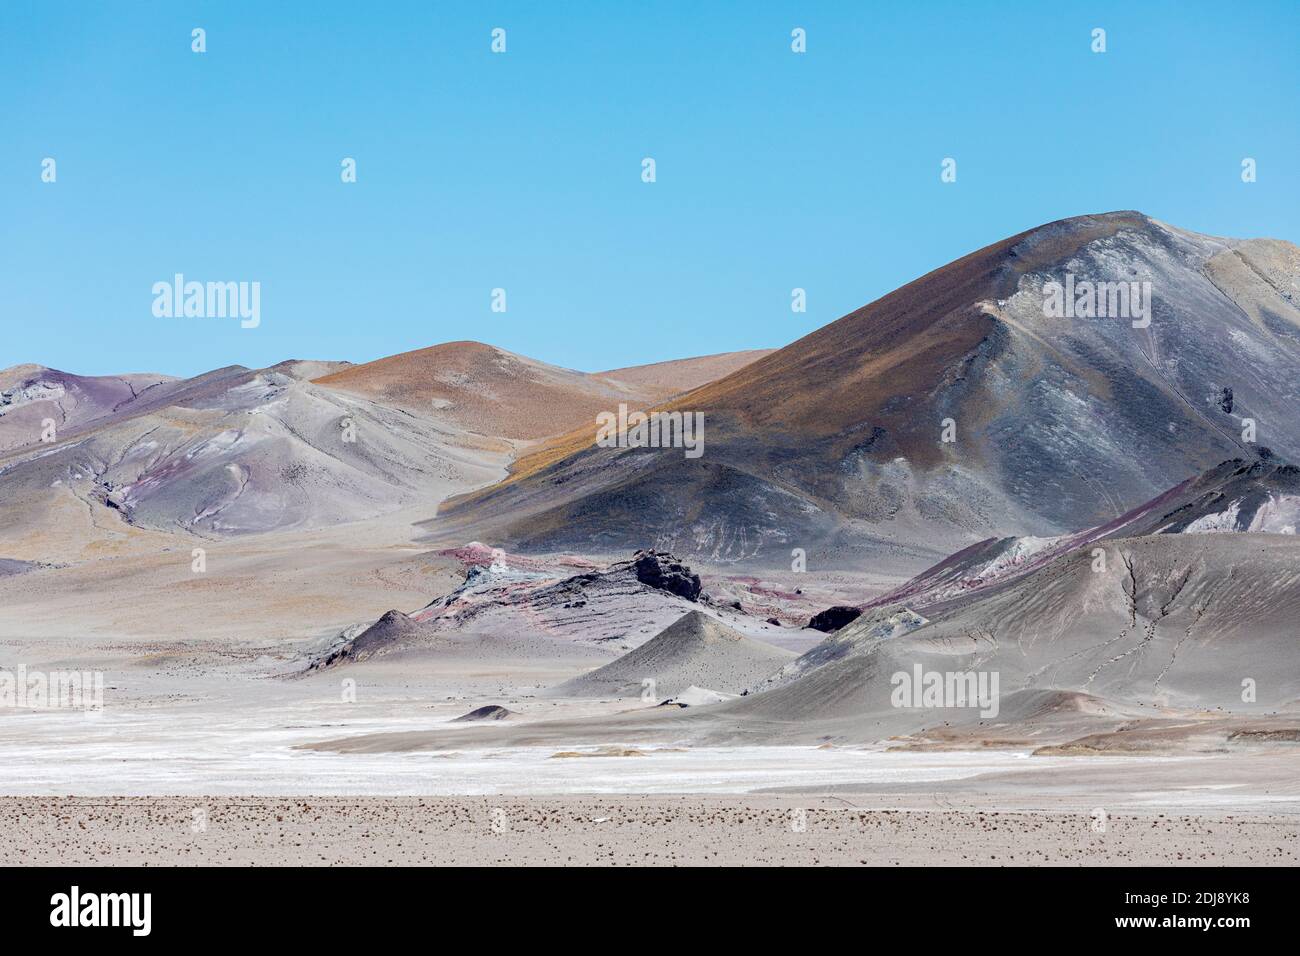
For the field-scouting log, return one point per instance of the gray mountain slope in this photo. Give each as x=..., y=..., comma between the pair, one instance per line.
x=1237, y=496
x=31, y=395
x=236, y=451
x=1172, y=620
x=695, y=650
x=1182, y=640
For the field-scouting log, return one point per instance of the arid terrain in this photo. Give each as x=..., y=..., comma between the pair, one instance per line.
x=410, y=611
x=761, y=830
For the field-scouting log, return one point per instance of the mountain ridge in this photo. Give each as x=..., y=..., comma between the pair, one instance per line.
x=834, y=442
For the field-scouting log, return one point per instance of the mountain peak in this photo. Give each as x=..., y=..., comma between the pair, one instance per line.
x=957, y=407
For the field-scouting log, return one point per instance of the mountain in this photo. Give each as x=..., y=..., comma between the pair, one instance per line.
x=695, y=650
x=32, y=394
x=237, y=451
x=299, y=445
x=392, y=632
x=1179, y=621
x=858, y=637
x=834, y=444
x=1236, y=496
x=489, y=391
x=661, y=381
x=1179, y=643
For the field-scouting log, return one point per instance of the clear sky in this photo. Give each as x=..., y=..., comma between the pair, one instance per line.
x=522, y=170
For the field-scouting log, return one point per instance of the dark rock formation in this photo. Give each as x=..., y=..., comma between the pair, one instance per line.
x=489, y=712
x=661, y=570
x=834, y=618
x=10, y=566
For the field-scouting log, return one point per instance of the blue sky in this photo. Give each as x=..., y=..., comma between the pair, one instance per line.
x=523, y=170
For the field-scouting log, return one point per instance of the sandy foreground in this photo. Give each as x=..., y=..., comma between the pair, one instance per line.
x=185, y=786
x=220, y=781
x=207, y=760
x=613, y=831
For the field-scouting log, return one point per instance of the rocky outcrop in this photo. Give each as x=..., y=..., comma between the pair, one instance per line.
x=661, y=570
x=489, y=712
x=1225, y=400
x=627, y=601
x=834, y=618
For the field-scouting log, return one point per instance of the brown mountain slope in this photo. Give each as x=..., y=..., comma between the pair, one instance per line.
x=240, y=451
x=833, y=443
x=494, y=392
x=664, y=380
